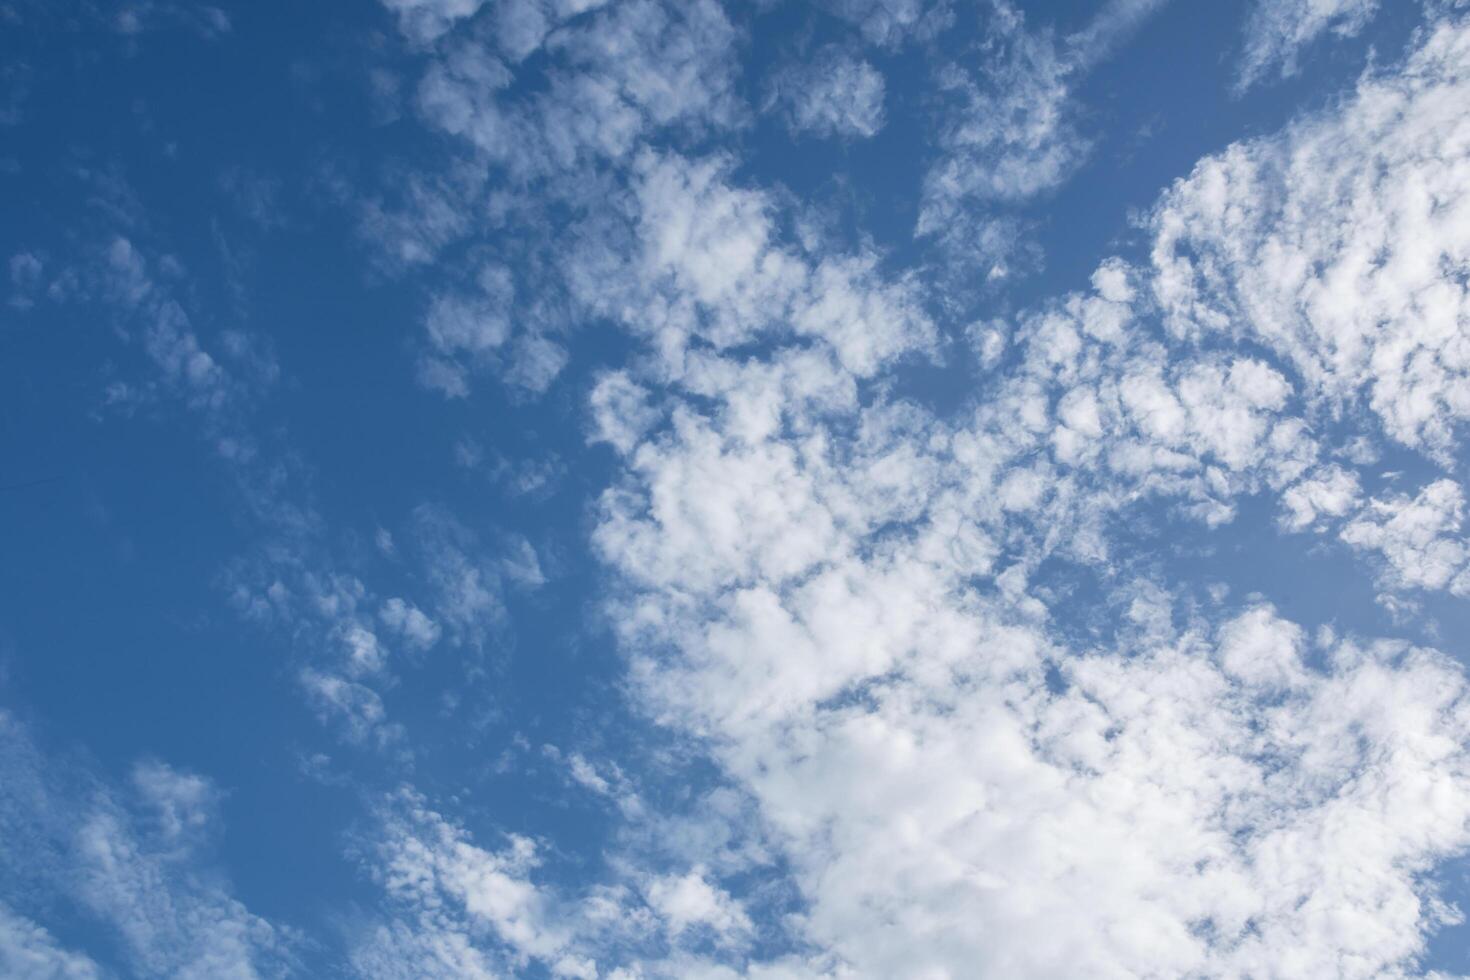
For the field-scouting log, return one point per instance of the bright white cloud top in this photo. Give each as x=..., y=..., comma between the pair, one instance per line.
x=879, y=588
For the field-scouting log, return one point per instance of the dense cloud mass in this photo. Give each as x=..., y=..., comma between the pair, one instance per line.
x=803, y=570
x=839, y=613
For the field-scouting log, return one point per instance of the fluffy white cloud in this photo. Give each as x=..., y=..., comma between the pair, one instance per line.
x=521, y=25
x=616, y=74
x=1329, y=492
x=1180, y=807
x=1341, y=245
x=700, y=261
x=1011, y=134
x=1419, y=538
x=690, y=901
x=355, y=708
x=536, y=137
x=1175, y=808
x=853, y=601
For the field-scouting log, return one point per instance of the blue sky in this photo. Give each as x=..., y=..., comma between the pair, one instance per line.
x=623, y=488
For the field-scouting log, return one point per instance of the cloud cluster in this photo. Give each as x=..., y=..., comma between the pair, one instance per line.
x=853, y=601
x=890, y=23
x=358, y=639
x=960, y=710
x=830, y=93
x=1278, y=30
x=459, y=909
x=1419, y=538
x=1011, y=131
x=133, y=860
x=1341, y=245
x=539, y=137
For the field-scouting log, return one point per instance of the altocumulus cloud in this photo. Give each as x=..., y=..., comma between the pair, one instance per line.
x=845, y=595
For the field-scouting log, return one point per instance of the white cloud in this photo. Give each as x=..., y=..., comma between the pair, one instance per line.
x=1178, y=809
x=423, y=858
x=850, y=601
x=1278, y=30
x=184, y=803
x=426, y=20
x=1330, y=492
x=473, y=332
x=1335, y=244
x=417, y=629
x=830, y=93
x=535, y=362
x=1012, y=134
x=25, y=279
x=356, y=708
x=168, y=337
x=28, y=950
x=466, y=593
x=131, y=862
x=706, y=262
x=891, y=22
x=473, y=326
x=135, y=18
x=616, y=74
x=620, y=411
x=1111, y=26
x=456, y=908
x=1419, y=538
x=689, y=900
x=534, y=137
x=522, y=25
x=1010, y=131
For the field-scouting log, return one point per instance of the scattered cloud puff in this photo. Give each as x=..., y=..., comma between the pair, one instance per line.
x=829, y=94
x=1009, y=130
x=427, y=20
x=1012, y=135
x=689, y=901
x=407, y=619
x=892, y=22
x=1278, y=30
x=455, y=908
x=134, y=861
x=207, y=21
x=359, y=641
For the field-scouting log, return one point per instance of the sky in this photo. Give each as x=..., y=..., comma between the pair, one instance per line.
x=669, y=488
